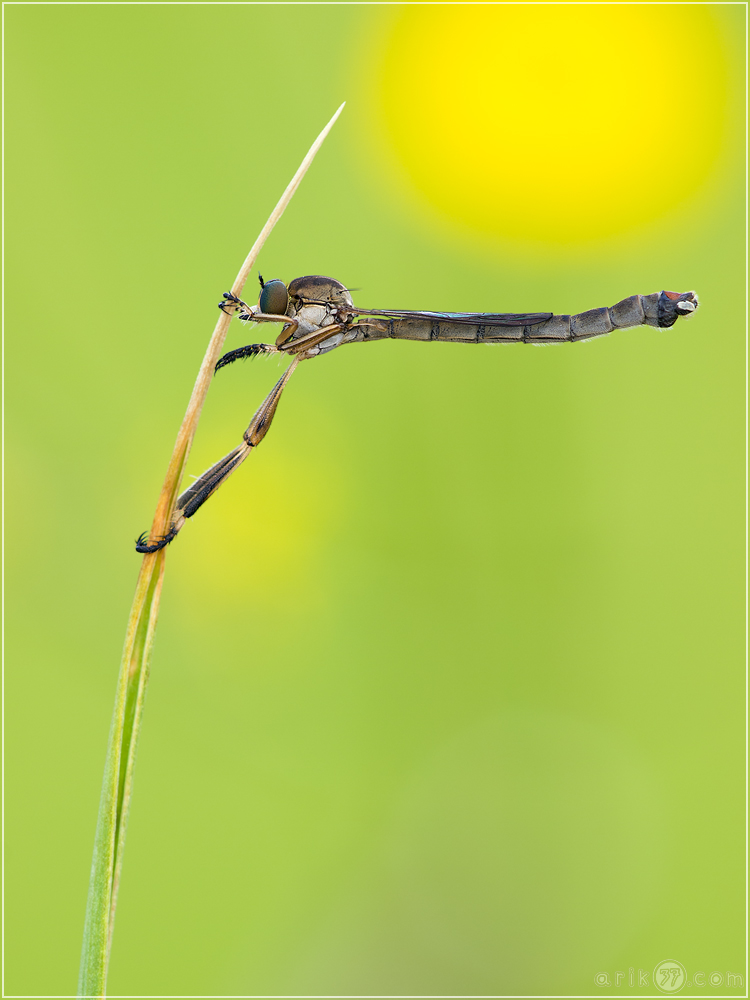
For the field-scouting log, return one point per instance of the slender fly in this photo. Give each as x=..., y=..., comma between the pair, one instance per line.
x=318, y=315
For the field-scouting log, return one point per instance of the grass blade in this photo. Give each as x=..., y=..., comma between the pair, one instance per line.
x=118, y=769
x=117, y=783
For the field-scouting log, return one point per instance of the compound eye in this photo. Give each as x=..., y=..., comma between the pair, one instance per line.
x=274, y=298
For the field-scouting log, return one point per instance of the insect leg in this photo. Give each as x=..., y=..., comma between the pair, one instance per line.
x=196, y=495
x=250, y=351
x=312, y=339
x=232, y=304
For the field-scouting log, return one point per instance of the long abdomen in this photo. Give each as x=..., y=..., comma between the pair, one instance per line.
x=661, y=309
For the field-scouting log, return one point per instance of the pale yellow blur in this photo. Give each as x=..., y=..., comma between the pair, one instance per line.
x=553, y=123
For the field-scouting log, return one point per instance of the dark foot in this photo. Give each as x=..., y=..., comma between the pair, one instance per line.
x=232, y=305
x=142, y=545
x=251, y=351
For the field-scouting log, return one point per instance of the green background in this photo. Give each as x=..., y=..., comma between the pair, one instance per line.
x=447, y=693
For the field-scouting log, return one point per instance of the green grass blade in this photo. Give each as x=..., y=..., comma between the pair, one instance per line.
x=117, y=782
x=114, y=804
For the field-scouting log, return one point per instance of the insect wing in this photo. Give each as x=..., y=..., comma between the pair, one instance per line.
x=470, y=319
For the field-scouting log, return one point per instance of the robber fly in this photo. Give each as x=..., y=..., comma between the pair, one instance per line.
x=318, y=315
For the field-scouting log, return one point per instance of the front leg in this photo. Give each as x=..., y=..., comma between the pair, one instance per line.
x=232, y=304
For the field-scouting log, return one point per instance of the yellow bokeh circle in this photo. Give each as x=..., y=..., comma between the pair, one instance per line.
x=552, y=122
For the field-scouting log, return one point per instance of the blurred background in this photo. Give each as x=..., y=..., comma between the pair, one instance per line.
x=447, y=692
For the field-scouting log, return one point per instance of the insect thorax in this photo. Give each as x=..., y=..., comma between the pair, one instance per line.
x=320, y=300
